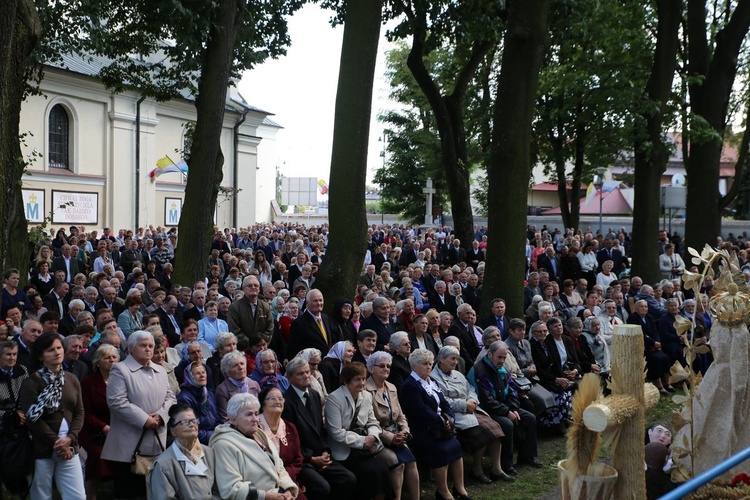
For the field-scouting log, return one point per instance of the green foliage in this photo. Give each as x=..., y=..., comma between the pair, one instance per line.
x=592, y=81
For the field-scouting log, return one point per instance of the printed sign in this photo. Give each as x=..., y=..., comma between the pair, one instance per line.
x=172, y=211
x=75, y=207
x=33, y=204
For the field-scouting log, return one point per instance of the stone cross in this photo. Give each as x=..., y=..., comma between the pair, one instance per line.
x=428, y=191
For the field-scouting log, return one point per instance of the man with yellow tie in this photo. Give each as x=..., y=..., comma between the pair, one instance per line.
x=312, y=328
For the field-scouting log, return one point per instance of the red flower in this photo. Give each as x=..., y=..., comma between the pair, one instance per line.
x=741, y=478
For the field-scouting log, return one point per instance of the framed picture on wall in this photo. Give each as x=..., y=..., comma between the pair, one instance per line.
x=172, y=211
x=33, y=204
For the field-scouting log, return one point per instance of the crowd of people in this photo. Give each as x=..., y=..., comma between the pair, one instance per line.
x=242, y=386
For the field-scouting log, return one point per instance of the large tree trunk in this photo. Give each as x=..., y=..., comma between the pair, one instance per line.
x=510, y=163
x=712, y=77
x=651, y=152
x=206, y=158
x=340, y=270
x=448, y=114
x=20, y=29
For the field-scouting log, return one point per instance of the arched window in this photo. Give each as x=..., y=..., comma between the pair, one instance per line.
x=59, y=138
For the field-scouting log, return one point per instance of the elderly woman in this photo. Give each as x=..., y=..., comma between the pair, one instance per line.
x=139, y=398
x=246, y=461
x=606, y=276
x=131, y=319
x=234, y=368
x=428, y=413
x=395, y=434
x=339, y=355
x=291, y=311
x=313, y=357
x=341, y=320
x=197, y=396
x=186, y=469
x=281, y=433
x=433, y=322
x=160, y=358
x=597, y=344
x=96, y=416
x=476, y=430
x=354, y=433
x=420, y=337
x=556, y=375
x=224, y=343
x=401, y=348
x=657, y=362
x=266, y=371
x=209, y=327
x=277, y=308
x=51, y=400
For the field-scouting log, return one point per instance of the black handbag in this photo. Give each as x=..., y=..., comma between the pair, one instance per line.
x=445, y=431
x=16, y=453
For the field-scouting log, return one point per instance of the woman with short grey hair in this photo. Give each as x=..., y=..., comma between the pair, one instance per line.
x=400, y=349
x=476, y=430
x=242, y=453
x=234, y=369
x=428, y=412
x=224, y=343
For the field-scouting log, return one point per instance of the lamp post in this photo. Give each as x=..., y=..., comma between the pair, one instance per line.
x=598, y=184
x=384, y=140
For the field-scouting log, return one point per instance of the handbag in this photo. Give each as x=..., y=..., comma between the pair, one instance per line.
x=16, y=453
x=522, y=384
x=141, y=464
x=445, y=431
x=362, y=431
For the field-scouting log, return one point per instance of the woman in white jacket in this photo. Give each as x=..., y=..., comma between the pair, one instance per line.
x=671, y=264
x=246, y=461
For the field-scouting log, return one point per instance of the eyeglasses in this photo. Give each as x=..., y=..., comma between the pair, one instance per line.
x=187, y=421
x=275, y=400
x=313, y=364
x=384, y=366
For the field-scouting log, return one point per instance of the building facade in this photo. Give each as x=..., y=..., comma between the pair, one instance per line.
x=92, y=150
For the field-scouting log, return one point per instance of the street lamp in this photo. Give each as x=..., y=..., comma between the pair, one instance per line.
x=598, y=184
x=384, y=140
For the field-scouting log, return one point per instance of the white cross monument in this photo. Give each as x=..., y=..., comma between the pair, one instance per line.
x=428, y=191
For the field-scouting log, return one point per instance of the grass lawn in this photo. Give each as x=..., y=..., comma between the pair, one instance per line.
x=539, y=483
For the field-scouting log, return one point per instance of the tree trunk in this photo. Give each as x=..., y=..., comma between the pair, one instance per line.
x=448, y=114
x=712, y=78
x=206, y=158
x=651, y=152
x=510, y=163
x=340, y=270
x=20, y=30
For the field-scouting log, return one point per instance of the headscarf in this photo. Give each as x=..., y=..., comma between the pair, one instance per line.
x=337, y=351
x=275, y=379
x=191, y=382
x=48, y=400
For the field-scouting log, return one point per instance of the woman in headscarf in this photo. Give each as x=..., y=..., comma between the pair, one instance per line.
x=266, y=372
x=196, y=395
x=341, y=319
x=339, y=354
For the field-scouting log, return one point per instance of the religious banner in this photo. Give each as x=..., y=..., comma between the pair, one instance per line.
x=33, y=204
x=172, y=211
x=75, y=207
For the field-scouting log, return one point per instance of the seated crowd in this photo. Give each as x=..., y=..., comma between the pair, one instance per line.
x=244, y=388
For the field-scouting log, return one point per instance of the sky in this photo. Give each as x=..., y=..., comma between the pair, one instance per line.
x=300, y=90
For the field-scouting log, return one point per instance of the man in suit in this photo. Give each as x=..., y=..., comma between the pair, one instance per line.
x=321, y=476
x=312, y=328
x=380, y=322
x=55, y=300
x=250, y=318
x=531, y=289
x=608, y=253
x=66, y=262
x=168, y=321
x=109, y=301
x=131, y=258
x=455, y=254
x=467, y=332
x=550, y=262
x=199, y=301
x=410, y=256
x=497, y=318
x=68, y=323
x=368, y=278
